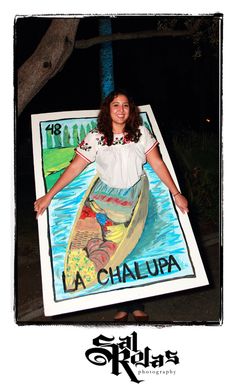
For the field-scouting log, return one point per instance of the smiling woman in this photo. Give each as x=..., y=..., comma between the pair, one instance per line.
x=119, y=111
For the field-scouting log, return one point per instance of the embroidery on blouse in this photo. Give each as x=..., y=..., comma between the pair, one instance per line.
x=102, y=140
x=117, y=140
x=94, y=130
x=84, y=146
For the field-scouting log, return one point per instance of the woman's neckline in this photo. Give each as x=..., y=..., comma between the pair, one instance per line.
x=119, y=133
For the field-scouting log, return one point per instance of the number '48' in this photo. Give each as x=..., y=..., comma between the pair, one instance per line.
x=54, y=128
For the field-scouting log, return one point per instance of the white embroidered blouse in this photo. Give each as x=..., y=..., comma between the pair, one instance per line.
x=121, y=164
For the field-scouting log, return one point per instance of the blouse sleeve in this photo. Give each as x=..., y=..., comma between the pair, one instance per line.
x=87, y=149
x=149, y=141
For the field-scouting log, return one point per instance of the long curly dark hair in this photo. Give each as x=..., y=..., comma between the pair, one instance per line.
x=104, y=124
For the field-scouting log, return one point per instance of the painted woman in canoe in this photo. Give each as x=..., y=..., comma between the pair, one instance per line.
x=120, y=145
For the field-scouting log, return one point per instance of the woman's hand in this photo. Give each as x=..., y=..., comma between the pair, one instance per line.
x=154, y=158
x=41, y=204
x=74, y=169
x=181, y=202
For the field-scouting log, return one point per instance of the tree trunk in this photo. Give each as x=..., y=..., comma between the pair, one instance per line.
x=106, y=59
x=49, y=57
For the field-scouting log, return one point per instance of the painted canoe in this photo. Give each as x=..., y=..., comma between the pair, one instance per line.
x=88, y=251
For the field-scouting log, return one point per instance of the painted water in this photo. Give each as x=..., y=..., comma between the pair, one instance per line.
x=162, y=236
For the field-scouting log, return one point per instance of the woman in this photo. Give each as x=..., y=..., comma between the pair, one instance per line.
x=120, y=145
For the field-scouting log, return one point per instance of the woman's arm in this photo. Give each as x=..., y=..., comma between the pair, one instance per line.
x=160, y=168
x=74, y=169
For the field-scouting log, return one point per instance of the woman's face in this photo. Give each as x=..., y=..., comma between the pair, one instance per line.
x=119, y=109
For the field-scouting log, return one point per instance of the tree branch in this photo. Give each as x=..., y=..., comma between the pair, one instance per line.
x=48, y=58
x=85, y=43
